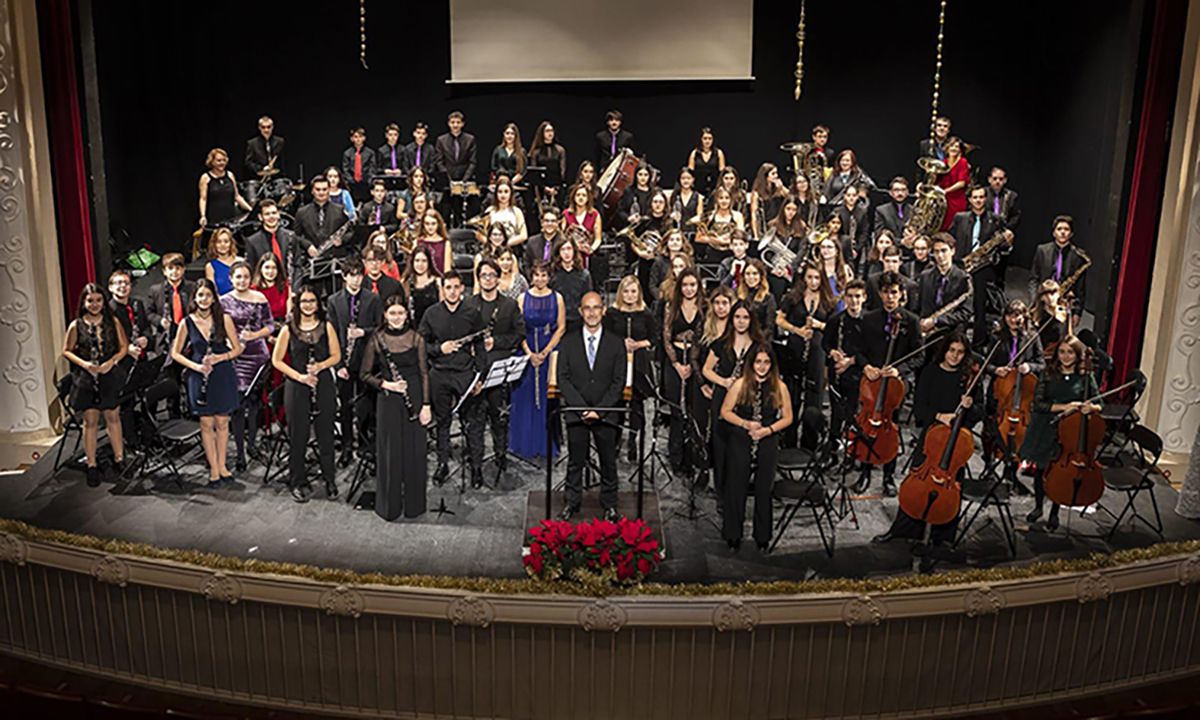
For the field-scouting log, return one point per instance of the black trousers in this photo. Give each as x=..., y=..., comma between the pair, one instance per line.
x=495, y=401
x=738, y=469
x=980, y=280
x=579, y=435
x=682, y=436
x=245, y=425
x=354, y=411
x=446, y=388
x=297, y=401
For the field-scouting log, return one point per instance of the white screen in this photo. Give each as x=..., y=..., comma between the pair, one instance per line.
x=547, y=40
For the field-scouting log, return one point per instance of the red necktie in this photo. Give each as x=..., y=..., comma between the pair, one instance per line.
x=358, y=165
x=176, y=305
x=132, y=324
x=375, y=286
x=275, y=249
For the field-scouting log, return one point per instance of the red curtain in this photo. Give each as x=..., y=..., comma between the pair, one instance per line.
x=67, y=161
x=1126, y=331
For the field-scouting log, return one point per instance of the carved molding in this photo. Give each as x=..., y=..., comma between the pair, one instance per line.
x=1178, y=420
x=862, y=610
x=222, y=587
x=343, y=600
x=471, y=610
x=1092, y=587
x=602, y=615
x=112, y=570
x=1189, y=570
x=983, y=600
x=13, y=549
x=735, y=615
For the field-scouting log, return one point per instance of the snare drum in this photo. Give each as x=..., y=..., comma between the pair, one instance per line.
x=614, y=180
x=251, y=190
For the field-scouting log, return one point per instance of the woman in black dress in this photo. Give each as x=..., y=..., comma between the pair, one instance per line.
x=310, y=342
x=790, y=231
x=706, y=160
x=395, y=366
x=766, y=197
x=722, y=367
x=682, y=326
x=545, y=152
x=757, y=407
x=629, y=318
x=207, y=343
x=657, y=220
x=219, y=195
x=687, y=202
x=716, y=320
x=803, y=314
x=422, y=283
x=569, y=280
x=674, y=243
x=755, y=290
x=95, y=344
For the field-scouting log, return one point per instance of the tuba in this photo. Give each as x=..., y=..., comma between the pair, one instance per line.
x=811, y=164
x=781, y=258
x=929, y=210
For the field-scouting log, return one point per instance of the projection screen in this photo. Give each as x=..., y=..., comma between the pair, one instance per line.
x=590, y=40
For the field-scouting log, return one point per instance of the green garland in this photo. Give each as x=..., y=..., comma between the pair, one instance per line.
x=530, y=586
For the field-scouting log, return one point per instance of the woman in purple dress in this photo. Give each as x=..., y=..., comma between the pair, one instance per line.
x=545, y=322
x=251, y=314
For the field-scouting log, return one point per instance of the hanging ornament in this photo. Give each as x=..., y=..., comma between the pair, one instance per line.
x=800, y=51
x=362, y=33
x=937, y=69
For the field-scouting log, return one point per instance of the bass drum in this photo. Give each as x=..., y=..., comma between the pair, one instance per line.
x=280, y=190
x=252, y=190
x=613, y=182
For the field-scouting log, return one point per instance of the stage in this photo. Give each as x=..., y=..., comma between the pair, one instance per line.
x=485, y=534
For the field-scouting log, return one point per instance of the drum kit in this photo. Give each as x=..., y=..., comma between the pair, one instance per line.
x=269, y=185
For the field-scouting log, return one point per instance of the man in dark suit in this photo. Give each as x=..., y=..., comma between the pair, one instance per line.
x=261, y=148
x=895, y=214
x=390, y=155
x=611, y=140
x=936, y=148
x=1058, y=260
x=420, y=153
x=358, y=165
x=591, y=373
x=131, y=314
x=457, y=157
x=273, y=239
x=377, y=212
x=355, y=313
x=506, y=331
x=168, y=305
x=972, y=228
x=320, y=218
x=1002, y=200
x=910, y=290
x=942, y=284
x=540, y=246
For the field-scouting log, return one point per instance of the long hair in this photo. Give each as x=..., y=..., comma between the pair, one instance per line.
x=675, y=306
x=503, y=181
x=619, y=302
x=943, y=347
x=571, y=197
x=750, y=379
x=388, y=302
x=1017, y=307
x=685, y=246
x=764, y=287
x=666, y=289
x=839, y=268
x=837, y=164
x=108, y=321
x=1083, y=358
x=424, y=179
x=754, y=331
x=294, y=320
x=1047, y=288
x=762, y=187
x=409, y=279
x=280, y=282
x=711, y=332
x=218, y=314
x=441, y=225
x=539, y=142
x=518, y=149
x=556, y=253
x=797, y=227
x=795, y=296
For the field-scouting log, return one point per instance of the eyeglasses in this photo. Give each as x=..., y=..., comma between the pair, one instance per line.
x=487, y=274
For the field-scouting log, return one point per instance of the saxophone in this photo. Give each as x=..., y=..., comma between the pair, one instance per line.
x=1066, y=285
x=757, y=416
x=981, y=256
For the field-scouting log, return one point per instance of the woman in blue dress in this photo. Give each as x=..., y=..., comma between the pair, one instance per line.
x=545, y=322
x=206, y=344
x=222, y=254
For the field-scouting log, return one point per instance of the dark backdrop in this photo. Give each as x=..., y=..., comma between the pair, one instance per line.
x=1047, y=95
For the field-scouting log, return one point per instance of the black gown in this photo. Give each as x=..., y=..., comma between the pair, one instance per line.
x=805, y=378
x=741, y=469
x=304, y=347
x=96, y=344
x=728, y=366
x=422, y=299
x=400, y=444
x=688, y=333
x=639, y=325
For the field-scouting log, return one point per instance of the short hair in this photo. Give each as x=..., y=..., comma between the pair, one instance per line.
x=944, y=238
x=117, y=272
x=266, y=119
x=1070, y=221
x=420, y=126
x=239, y=264
x=213, y=155
x=455, y=114
x=613, y=115
x=856, y=284
x=939, y=118
x=738, y=234
x=391, y=126
x=550, y=210
x=490, y=263
x=973, y=188
x=351, y=265
x=819, y=128
x=174, y=260
x=266, y=203
x=891, y=251
x=887, y=280
x=452, y=275
x=378, y=182
x=995, y=168
x=898, y=179
x=318, y=179
x=374, y=252
x=358, y=131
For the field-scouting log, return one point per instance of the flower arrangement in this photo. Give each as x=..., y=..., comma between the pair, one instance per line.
x=593, y=552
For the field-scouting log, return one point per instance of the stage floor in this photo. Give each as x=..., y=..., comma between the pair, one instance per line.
x=485, y=535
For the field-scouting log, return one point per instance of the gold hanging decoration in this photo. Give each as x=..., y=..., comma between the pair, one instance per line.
x=937, y=69
x=800, y=51
x=362, y=33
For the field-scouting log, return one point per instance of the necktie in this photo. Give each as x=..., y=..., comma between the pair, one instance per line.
x=375, y=285
x=546, y=249
x=176, y=306
x=378, y=210
x=358, y=165
x=354, y=308
x=996, y=205
x=455, y=148
x=1058, y=263
x=900, y=210
x=418, y=163
x=975, y=234
x=393, y=157
x=591, y=350
x=321, y=216
x=276, y=249
x=132, y=324
x=887, y=324
x=941, y=291
x=613, y=151
x=1012, y=351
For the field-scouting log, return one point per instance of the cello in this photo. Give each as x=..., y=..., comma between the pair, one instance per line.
x=931, y=492
x=1075, y=478
x=1014, y=402
x=874, y=438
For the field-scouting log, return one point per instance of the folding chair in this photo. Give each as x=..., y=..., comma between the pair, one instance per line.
x=801, y=484
x=169, y=439
x=71, y=421
x=1133, y=480
x=1121, y=416
x=989, y=490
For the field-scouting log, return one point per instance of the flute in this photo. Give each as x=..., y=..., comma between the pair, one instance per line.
x=627, y=393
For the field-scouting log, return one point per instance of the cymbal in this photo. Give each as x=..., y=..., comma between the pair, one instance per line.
x=796, y=147
x=298, y=186
x=268, y=172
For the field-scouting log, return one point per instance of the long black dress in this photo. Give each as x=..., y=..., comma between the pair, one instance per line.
x=741, y=468
x=677, y=336
x=400, y=444
x=805, y=378
x=97, y=344
x=729, y=365
x=639, y=325
x=304, y=347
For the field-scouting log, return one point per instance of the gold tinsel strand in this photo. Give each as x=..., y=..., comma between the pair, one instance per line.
x=529, y=586
x=937, y=69
x=800, y=51
x=362, y=32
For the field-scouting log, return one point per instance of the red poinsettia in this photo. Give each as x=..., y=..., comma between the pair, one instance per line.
x=626, y=549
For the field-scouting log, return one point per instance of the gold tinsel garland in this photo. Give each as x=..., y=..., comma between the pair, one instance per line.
x=529, y=586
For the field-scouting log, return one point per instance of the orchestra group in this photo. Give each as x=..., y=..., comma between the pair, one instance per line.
x=794, y=310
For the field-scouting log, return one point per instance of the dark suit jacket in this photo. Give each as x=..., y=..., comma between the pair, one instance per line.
x=887, y=217
x=930, y=149
x=370, y=315
x=957, y=283
x=428, y=158
x=535, y=249
x=140, y=319
x=962, y=228
x=862, y=231
x=259, y=244
x=159, y=304
x=315, y=232
x=369, y=165
x=874, y=347
x=258, y=155
x=383, y=157
x=604, y=154
x=387, y=216
x=1043, y=269
x=386, y=286
x=464, y=167
x=1009, y=210
x=912, y=291
x=507, y=325
x=582, y=386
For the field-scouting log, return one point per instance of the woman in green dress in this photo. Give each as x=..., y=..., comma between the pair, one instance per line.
x=1064, y=386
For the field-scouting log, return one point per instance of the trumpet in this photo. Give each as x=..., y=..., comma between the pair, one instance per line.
x=781, y=258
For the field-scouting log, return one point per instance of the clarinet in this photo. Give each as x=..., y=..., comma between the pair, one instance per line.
x=94, y=356
x=395, y=373
x=312, y=391
x=757, y=416
x=351, y=341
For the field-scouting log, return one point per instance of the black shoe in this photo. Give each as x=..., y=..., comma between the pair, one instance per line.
x=439, y=477
x=1020, y=489
x=346, y=458
x=568, y=512
x=611, y=515
x=864, y=481
x=93, y=476
x=331, y=491
x=214, y=484
x=882, y=538
x=501, y=463
x=763, y=547
x=631, y=453
x=300, y=493
x=925, y=564
x=226, y=479
x=1052, y=521
x=734, y=544
x=476, y=478
x=889, y=487
x=1034, y=515
x=239, y=466
x=117, y=470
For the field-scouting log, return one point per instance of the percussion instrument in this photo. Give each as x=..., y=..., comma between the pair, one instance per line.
x=461, y=188
x=615, y=179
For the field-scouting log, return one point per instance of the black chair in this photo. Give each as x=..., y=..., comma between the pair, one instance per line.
x=1134, y=480
x=1121, y=417
x=990, y=490
x=167, y=440
x=277, y=440
x=800, y=483
x=71, y=421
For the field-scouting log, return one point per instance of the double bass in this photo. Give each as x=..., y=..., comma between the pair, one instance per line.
x=931, y=493
x=1075, y=478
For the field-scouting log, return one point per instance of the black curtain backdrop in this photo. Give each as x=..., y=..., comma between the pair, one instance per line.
x=1045, y=91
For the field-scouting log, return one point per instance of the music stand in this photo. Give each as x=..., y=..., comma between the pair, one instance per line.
x=462, y=464
x=506, y=371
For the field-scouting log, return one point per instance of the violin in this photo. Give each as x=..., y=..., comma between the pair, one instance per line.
x=875, y=439
x=931, y=492
x=1014, y=401
x=1074, y=478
